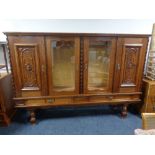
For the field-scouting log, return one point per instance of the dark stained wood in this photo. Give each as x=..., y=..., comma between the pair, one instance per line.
x=6, y=102
x=28, y=65
x=31, y=62
x=81, y=82
x=79, y=95
x=129, y=65
x=41, y=104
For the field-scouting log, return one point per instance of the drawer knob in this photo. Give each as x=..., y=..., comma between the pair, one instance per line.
x=110, y=97
x=50, y=100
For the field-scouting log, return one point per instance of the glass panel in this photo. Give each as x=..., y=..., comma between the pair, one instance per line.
x=98, y=64
x=63, y=65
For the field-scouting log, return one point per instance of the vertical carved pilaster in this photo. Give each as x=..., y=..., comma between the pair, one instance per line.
x=11, y=67
x=81, y=64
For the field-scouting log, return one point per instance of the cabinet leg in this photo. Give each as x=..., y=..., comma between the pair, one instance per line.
x=7, y=120
x=32, y=117
x=124, y=111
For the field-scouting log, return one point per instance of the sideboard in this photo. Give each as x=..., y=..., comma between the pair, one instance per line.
x=75, y=69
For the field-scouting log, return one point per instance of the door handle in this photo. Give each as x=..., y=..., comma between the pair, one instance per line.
x=118, y=67
x=86, y=67
x=43, y=68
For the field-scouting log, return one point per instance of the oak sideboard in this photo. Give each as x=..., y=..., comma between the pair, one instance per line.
x=75, y=69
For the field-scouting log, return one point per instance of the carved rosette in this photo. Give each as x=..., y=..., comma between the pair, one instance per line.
x=130, y=65
x=27, y=62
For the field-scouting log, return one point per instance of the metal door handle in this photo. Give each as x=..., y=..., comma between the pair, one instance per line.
x=110, y=97
x=43, y=68
x=118, y=67
x=86, y=66
x=50, y=100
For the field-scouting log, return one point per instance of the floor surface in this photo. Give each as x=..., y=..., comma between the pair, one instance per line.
x=100, y=120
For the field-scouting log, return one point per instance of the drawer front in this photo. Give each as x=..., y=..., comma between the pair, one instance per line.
x=77, y=100
x=44, y=102
x=101, y=98
x=114, y=98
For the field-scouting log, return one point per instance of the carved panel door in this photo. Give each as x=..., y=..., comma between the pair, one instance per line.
x=130, y=59
x=99, y=57
x=28, y=64
x=63, y=65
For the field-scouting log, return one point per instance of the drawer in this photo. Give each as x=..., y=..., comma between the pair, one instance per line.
x=101, y=98
x=58, y=101
x=61, y=101
x=30, y=102
x=76, y=100
x=81, y=99
x=114, y=98
x=44, y=102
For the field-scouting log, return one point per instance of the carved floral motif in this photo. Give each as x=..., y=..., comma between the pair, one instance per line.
x=27, y=66
x=130, y=66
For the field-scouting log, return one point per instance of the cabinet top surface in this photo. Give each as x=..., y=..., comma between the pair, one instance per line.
x=76, y=34
x=149, y=81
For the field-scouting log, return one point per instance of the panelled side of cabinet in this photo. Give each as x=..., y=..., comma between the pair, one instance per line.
x=130, y=59
x=148, y=96
x=29, y=65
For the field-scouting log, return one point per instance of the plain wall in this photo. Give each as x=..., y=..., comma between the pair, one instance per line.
x=74, y=25
x=78, y=25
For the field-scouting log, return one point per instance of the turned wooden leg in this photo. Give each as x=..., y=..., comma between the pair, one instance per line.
x=32, y=117
x=124, y=111
x=7, y=120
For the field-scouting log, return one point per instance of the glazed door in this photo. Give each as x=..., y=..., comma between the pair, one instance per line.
x=27, y=54
x=63, y=65
x=99, y=58
x=130, y=60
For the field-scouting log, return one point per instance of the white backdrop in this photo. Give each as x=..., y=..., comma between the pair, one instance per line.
x=130, y=26
x=78, y=25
